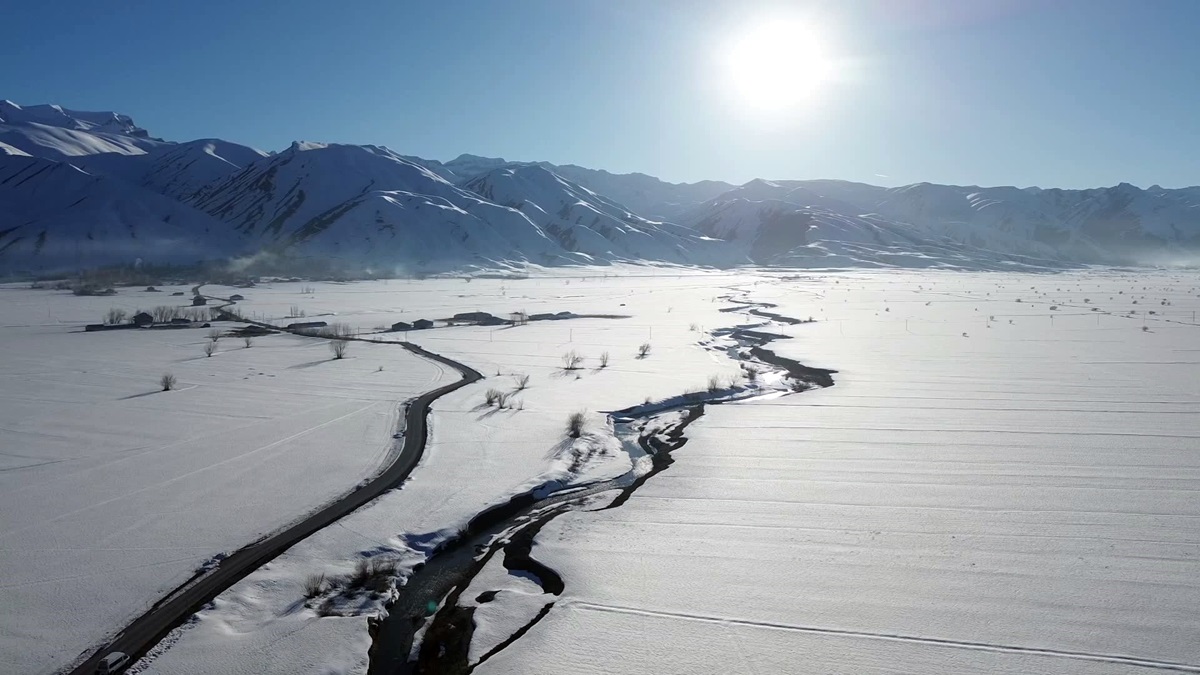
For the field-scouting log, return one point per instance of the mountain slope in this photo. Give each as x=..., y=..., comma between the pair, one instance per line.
x=55, y=215
x=582, y=221
x=367, y=204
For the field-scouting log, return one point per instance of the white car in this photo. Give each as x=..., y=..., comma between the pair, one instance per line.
x=112, y=662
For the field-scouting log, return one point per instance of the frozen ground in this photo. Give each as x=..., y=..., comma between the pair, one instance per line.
x=113, y=492
x=953, y=503
x=478, y=456
x=1017, y=498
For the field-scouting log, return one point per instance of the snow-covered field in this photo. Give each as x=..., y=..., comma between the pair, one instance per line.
x=1016, y=498
x=985, y=488
x=113, y=492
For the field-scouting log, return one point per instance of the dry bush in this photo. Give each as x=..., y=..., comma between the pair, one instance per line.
x=502, y=401
x=164, y=313
x=575, y=422
x=337, y=330
x=604, y=359
x=491, y=396
x=210, y=347
x=248, y=341
x=197, y=313
x=714, y=383
x=214, y=335
x=571, y=360
x=643, y=350
x=167, y=381
x=115, y=316
x=522, y=382
x=338, y=347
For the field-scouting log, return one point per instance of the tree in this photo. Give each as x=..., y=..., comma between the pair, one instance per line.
x=338, y=347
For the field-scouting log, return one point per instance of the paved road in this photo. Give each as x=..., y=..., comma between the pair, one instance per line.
x=147, y=630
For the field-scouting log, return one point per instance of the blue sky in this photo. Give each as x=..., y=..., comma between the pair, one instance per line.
x=1062, y=93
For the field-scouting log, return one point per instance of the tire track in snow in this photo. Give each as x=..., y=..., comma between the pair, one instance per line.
x=892, y=637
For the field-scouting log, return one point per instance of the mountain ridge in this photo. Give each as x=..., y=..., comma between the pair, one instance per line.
x=367, y=205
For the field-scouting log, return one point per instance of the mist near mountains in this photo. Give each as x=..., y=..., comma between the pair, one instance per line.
x=85, y=189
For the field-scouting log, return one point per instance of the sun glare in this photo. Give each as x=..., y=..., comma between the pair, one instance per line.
x=777, y=65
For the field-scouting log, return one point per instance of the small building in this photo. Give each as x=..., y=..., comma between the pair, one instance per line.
x=422, y=324
x=235, y=297
x=473, y=316
x=142, y=319
x=401, y=326
x=199, y=301
x=306, y=325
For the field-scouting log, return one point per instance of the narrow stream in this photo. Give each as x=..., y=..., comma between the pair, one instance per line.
x=427, y=607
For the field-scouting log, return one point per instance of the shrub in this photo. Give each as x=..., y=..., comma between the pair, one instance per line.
x=338, y=347
x=314, y=585
x=604, y=360
x=522, y=382
x=115, y=316
x=210, y=347
x=214, y=335
x=167, y=381
x=502, y=401
x=575, y=423
x=249, y=342
x=571, y=360
x=491, y=396
x=643, y=350
x=714, y=383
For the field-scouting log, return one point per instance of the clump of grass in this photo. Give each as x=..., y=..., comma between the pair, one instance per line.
x=167, y=381
x=522, y=382
x=491, y=396
x=314, y=585
x=575, y=423
x=643, y=350
x=375, y=575
x=714, y=383
x=502, y=401
x=604, y=360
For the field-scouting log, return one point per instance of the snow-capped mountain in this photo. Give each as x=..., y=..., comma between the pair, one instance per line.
x=585, y=222
x=775, y=232
x=84, y=188
x=57, y=116
x=367, y=204
x=1121, y=224
x=55, y=215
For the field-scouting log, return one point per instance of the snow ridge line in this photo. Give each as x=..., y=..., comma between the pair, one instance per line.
x=893, y=637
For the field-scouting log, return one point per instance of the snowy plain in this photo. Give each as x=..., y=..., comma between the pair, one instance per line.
x=991, y=486
x=1021, y=498
x=113, y=492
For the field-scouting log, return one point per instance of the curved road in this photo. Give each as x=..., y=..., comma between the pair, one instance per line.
x=149, y=629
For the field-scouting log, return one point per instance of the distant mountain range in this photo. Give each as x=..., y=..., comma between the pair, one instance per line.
x=83, y=189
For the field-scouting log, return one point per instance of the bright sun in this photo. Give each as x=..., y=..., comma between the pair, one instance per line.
x=777, y=65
